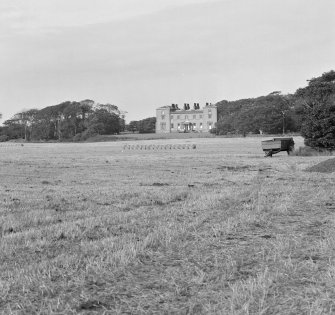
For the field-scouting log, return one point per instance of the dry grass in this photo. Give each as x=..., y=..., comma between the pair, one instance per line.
x=308, y=151
x=87, y=228
x=327, y=166
x=150, y=136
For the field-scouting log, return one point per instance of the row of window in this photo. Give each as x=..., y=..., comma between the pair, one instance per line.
x=186, y=117
x=193, y=126
x=209, y=111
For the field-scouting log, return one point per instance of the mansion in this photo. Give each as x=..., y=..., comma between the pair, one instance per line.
x=172, y=119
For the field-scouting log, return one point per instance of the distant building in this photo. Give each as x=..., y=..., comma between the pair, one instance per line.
x=172, y=119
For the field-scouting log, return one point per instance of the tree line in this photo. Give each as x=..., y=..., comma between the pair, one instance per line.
x=272, y=114
x=310, y=110
x=70, y=120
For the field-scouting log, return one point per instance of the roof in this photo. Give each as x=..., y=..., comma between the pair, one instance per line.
x=188, y=110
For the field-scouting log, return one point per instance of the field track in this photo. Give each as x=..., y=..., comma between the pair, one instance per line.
x=219, y=229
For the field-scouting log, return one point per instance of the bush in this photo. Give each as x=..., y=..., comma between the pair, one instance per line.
x=77, y=137
x=83, y=136
x=308, y=151
x=4, y=138
x=213, y=131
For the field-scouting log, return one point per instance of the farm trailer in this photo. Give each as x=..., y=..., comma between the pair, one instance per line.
x=276, y=145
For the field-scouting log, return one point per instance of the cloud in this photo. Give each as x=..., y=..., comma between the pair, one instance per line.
x=40, y=16
x=217, y=49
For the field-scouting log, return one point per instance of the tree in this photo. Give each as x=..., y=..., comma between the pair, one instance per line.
x=103, y=122
x=270, y=114
x=318, y=101
x=122, y=124
x=72, y=119
x=26, y=118
x=147, y=125
x=13, y=128
x=133, y=126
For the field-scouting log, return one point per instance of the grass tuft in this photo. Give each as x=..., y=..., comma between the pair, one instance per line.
x=308, y=151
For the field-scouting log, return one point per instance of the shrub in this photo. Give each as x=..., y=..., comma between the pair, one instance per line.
x=4, y=138
x=213, y=131
x=308, y=151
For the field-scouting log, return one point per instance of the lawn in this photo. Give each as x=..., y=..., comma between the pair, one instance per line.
x=94, y=228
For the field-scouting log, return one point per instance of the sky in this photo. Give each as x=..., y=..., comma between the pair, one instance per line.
x=143, y=54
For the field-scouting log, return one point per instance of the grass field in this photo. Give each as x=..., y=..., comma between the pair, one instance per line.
x=94, y=229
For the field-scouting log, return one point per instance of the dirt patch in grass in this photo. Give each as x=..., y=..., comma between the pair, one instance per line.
x=327, y=166
x=236, y=168
x=160, y=184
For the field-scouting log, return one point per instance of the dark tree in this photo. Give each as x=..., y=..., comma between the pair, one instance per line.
x=132, y=126
x=318, y=101
x=270, y=114
x=27, y=119
x=65, y=121
x=147, y=125
x=103, y=122
x=13, y=128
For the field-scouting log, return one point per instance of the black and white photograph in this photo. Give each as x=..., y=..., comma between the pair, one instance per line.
x=167, y=157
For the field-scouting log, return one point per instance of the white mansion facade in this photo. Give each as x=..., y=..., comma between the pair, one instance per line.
x=172, y=119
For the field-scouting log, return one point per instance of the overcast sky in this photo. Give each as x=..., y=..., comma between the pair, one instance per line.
x=142, y=54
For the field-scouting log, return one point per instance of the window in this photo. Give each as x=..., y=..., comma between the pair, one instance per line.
x=163, y=126
x=200, y=125
x=171, y=116
x=172, y=126
x=178, y=126
x=200, y=116
x=163, y=117
x=209, y=125
x=209, y=115
x=178, y=117
x=163, y=112
x=194, y=116
x=194, y=125
x=209, y=111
